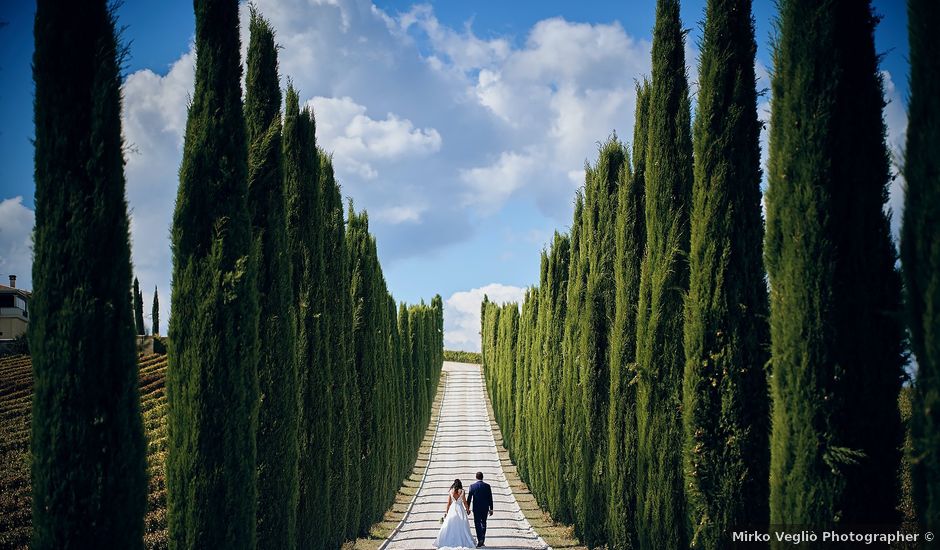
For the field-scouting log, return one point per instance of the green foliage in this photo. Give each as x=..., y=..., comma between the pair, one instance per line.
x=139, y=309
x=155, y=313
x=835, y=300
x=396, y=359
x=570, y=400
x=629, y=239
x=599, y=221
x=663, y=281
x=725, y=399
x=88, y=459
x=920, y=253
x=212, y=377
x=305, y=234
x=277, y=373
x=463, y=356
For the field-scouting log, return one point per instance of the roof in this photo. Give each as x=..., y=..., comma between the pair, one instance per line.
x=8, y=289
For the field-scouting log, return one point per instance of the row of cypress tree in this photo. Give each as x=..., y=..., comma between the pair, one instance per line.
x=138, y=301
x=711, y=376
x=322, y=360
x=298, y=390
x=920, y=254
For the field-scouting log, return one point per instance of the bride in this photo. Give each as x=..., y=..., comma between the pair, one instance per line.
x=455, y=531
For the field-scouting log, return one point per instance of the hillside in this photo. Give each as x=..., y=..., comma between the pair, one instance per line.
x=16, y=385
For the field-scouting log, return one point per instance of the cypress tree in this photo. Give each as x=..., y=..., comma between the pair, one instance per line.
x=557, y=284
x=361, y=257
x=570, y=395
x=345, y=389
x=600, y=207
x=277, y=372
x=212, y=377
x=404, y=329
x=139, y=309
x=920, y=253
x=663, y=280
x=518, y=392
x=835, y=294
x=333, y=350
x=539, y=407
x=725, y=400
x=630, y=236
x=305, y=237
x=155, y=312
x=88, y=453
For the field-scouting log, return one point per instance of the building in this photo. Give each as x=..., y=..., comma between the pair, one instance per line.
x=14, y=310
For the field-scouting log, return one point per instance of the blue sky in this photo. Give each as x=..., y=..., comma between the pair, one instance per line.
x=462, y=127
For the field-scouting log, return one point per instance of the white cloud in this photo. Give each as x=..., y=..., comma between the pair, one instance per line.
x=895, y=116
x=464, y=50
x=462, y=313
x=16, y=242
x=356, y=140
x=154, y=121
x=490, y=186
x=567, y=88
x=401, y=214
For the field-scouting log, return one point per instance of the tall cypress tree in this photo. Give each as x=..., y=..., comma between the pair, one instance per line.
x=304, y=237
x=89, y=485
x=212, y=374
x=920, y=252
x=407, y=367
x=663, y=280
x=360, y=258
x=630, y=235
x=139, y=309
x=725, y=400
x=277, y=372
x=155, y=313
x=350, y=379
x=570, y=396
x=600, y=208
x=554, y=441
x=333, y=337
x=835, y=293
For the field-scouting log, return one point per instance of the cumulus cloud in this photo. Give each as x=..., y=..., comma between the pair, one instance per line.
x=462, y=313
x=567, y=88
x=461, y=49
x=16, y=242
x=154, y=121
x=401, y=214
x=357, y=140
x=491, y=185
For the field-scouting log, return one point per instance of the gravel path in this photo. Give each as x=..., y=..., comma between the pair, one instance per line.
x=463, y=444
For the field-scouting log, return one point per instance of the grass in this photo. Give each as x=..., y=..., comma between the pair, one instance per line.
x=462, y=356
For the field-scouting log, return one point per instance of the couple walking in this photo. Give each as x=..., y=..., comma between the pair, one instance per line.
x=455, y=528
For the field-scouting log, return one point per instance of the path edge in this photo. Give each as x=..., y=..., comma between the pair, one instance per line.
x=442, y=388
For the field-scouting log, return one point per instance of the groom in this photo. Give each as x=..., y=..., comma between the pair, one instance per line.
x=480, y=498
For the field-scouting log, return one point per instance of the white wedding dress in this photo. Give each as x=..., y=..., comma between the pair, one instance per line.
x=455, y=532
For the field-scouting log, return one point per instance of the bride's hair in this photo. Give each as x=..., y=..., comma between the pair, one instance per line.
x=457, y=485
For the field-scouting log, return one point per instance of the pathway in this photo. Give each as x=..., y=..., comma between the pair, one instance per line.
x=463, y=444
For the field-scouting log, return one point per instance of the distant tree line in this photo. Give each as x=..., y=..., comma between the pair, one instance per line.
x=298, y=389
x=680, y=372
x=462, y=356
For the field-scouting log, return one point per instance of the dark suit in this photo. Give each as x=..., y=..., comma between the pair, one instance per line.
x=480, y=500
